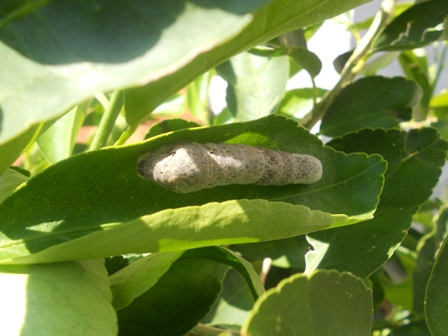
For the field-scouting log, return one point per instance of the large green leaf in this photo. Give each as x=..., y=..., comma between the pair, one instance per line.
x=212, y=224
x=416, y=27
x=114, y=45
x=256, y=84
x=414, y=166
x=102, y=187
x=279, y=17
x=71, y=298
x=371, y=102
x=327, y=303
x=436, y=308
x=177, y=302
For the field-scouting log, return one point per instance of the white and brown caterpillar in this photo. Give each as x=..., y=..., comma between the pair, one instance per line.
x=189, y=166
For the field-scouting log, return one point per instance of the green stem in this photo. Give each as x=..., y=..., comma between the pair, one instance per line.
x=107, y=121
x=125, y=135
x=354, y=64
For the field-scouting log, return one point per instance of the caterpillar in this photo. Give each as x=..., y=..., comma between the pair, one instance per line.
x=189, y=166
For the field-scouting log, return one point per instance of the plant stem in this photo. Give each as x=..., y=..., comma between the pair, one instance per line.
x=353, y=65
x=125, y=135
x=107, y=121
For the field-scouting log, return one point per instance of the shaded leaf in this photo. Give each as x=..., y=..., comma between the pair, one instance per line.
x=230, y=258
x=279, y=17
x=285, y=253
x=115, y=45
x=414, y=166
x=416, y=27
x=177, y=302
x=371, y=102
x=307, y=60
x=416, y=68
x=340, y=61
x=436, y=307
x=233, y=304
x=170, y=125
x=71, y=298
x=327, y=303
x=422, y=271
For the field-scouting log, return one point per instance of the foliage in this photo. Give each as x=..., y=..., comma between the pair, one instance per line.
x=89, y=247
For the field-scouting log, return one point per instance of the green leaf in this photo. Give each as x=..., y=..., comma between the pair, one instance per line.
x=416, y=27
x=233, y=304
x=414, y=166
x=9, y=181
x=240, y=221
x=378, y=63
x=11, y=150
x=256, y=84
x=298, y=102
x=371, y=102
x=115, y=45
x=169, y=125
x=71, y=298
x=436, y=307
x=177, y=302
x=279, y=17
x=229, y=258
x=398, y=283
x=307, y=60
x=58, y=141
x=198, y=98
x=285, y=253
x=422, y=271
x=416, y=68
x=134, y=280
x=340, y=61
x=327, y=303
x=102, y=187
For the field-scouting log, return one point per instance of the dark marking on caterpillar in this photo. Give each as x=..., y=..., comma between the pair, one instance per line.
x=189, y=166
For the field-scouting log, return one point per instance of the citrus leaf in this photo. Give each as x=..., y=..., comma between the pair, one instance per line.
x=115, y=45
x=169, y=230
x=416, y=27
x=281, y=16
x=371, y=102
x=327, y=303
x=185, y=292
x=102, y=187
x=71, y=298
x=230, y=258
x=9, y=181
x=256, y=84
x=414, y=166
x=436, y=306
x=134, y=280
x=169, y=125
x=58, y=141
